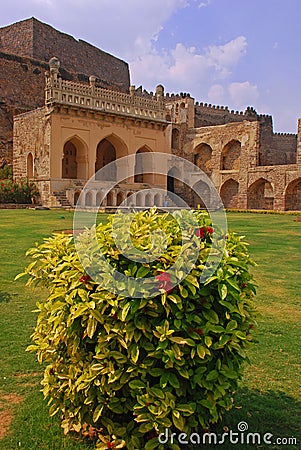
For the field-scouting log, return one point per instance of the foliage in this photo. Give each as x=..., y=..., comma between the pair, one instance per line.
x=6, y=172
x=21, y=191
x=127, y=368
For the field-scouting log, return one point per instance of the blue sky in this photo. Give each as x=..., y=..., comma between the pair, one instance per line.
x=225, y=52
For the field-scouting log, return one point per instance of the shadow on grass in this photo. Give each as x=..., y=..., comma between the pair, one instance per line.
x=5, y=297
x=264, y=413
x=270, y=412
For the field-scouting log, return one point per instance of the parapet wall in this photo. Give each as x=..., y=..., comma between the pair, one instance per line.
x=34, y=39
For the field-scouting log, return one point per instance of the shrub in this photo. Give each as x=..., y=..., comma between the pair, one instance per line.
x=127, y=369
x=6, y=172
x=21, y=191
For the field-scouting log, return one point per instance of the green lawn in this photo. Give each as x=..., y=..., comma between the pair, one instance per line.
x=269, y=398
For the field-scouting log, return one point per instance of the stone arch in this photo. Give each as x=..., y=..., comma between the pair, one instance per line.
x=30, y=165
x=120, y=198
x=230, y=156
x=203, y=198
x=229, y=193
x=261, y=195
x=76, y=197
x=203, y=158
x=110, y=198
x=148, y=200
x=89, y=199
x=74, y=162
x=157, y=200
x=293, y=195
x=175, y=139
x=99, y=198
x=108, y=150
x=139, y=199
x=145, y=165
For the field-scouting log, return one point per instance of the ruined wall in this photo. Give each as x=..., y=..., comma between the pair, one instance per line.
x=276, y=148
x=37, y=40
x=210, y=115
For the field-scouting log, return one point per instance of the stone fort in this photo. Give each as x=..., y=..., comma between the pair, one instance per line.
x=67, y=109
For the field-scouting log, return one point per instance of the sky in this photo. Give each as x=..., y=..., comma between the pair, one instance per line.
x=235, y=53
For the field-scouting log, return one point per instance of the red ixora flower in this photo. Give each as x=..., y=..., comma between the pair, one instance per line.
x=200, y=232
x=164, y=281
x=85, y=279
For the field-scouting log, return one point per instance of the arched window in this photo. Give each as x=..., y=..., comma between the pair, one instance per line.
x=30, y=166
x=230, y=157
x=203, y=158
x=69, y=165
x=175, y=139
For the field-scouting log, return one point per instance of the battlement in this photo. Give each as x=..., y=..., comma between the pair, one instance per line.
x=72, y=93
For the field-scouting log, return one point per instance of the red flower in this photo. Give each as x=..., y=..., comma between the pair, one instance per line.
x=110, y=445
x=85, y=279
x=164, y=281
x=200, y=232
x=210, y=230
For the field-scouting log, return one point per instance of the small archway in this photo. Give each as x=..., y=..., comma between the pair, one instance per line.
x=175, y=139
x=120, y=198
x=202, y=197
x=230, y=157
x=89, y=199
x=74, y=162
x=293, y=196
x=261, y=195
x=143, y=166
x=30, y=166
x=76, y=197
x=110, y=199
x=203, y=158
x=148, y=200
x=229, y=193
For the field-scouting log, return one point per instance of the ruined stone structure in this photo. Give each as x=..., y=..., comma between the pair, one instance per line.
x=90, y=116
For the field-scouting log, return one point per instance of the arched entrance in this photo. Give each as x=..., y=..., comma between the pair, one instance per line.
x=74, y=162
x=229, y=193
x=143, y=166
x=293, y=196
x=105, y=154
x=261, y=195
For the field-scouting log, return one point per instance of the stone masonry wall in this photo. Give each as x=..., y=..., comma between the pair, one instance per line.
x=36, y=142
x=276, y=148
x=37, y=40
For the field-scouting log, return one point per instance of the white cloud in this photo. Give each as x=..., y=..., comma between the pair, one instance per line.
x=204, y=4
x=224, y=57
x=243, y=94
x=185, y=68
x=216, y=94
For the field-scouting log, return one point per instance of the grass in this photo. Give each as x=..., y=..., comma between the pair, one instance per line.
x=269, y=398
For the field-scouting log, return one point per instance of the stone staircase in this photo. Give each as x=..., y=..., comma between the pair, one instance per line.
x=62, y=200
